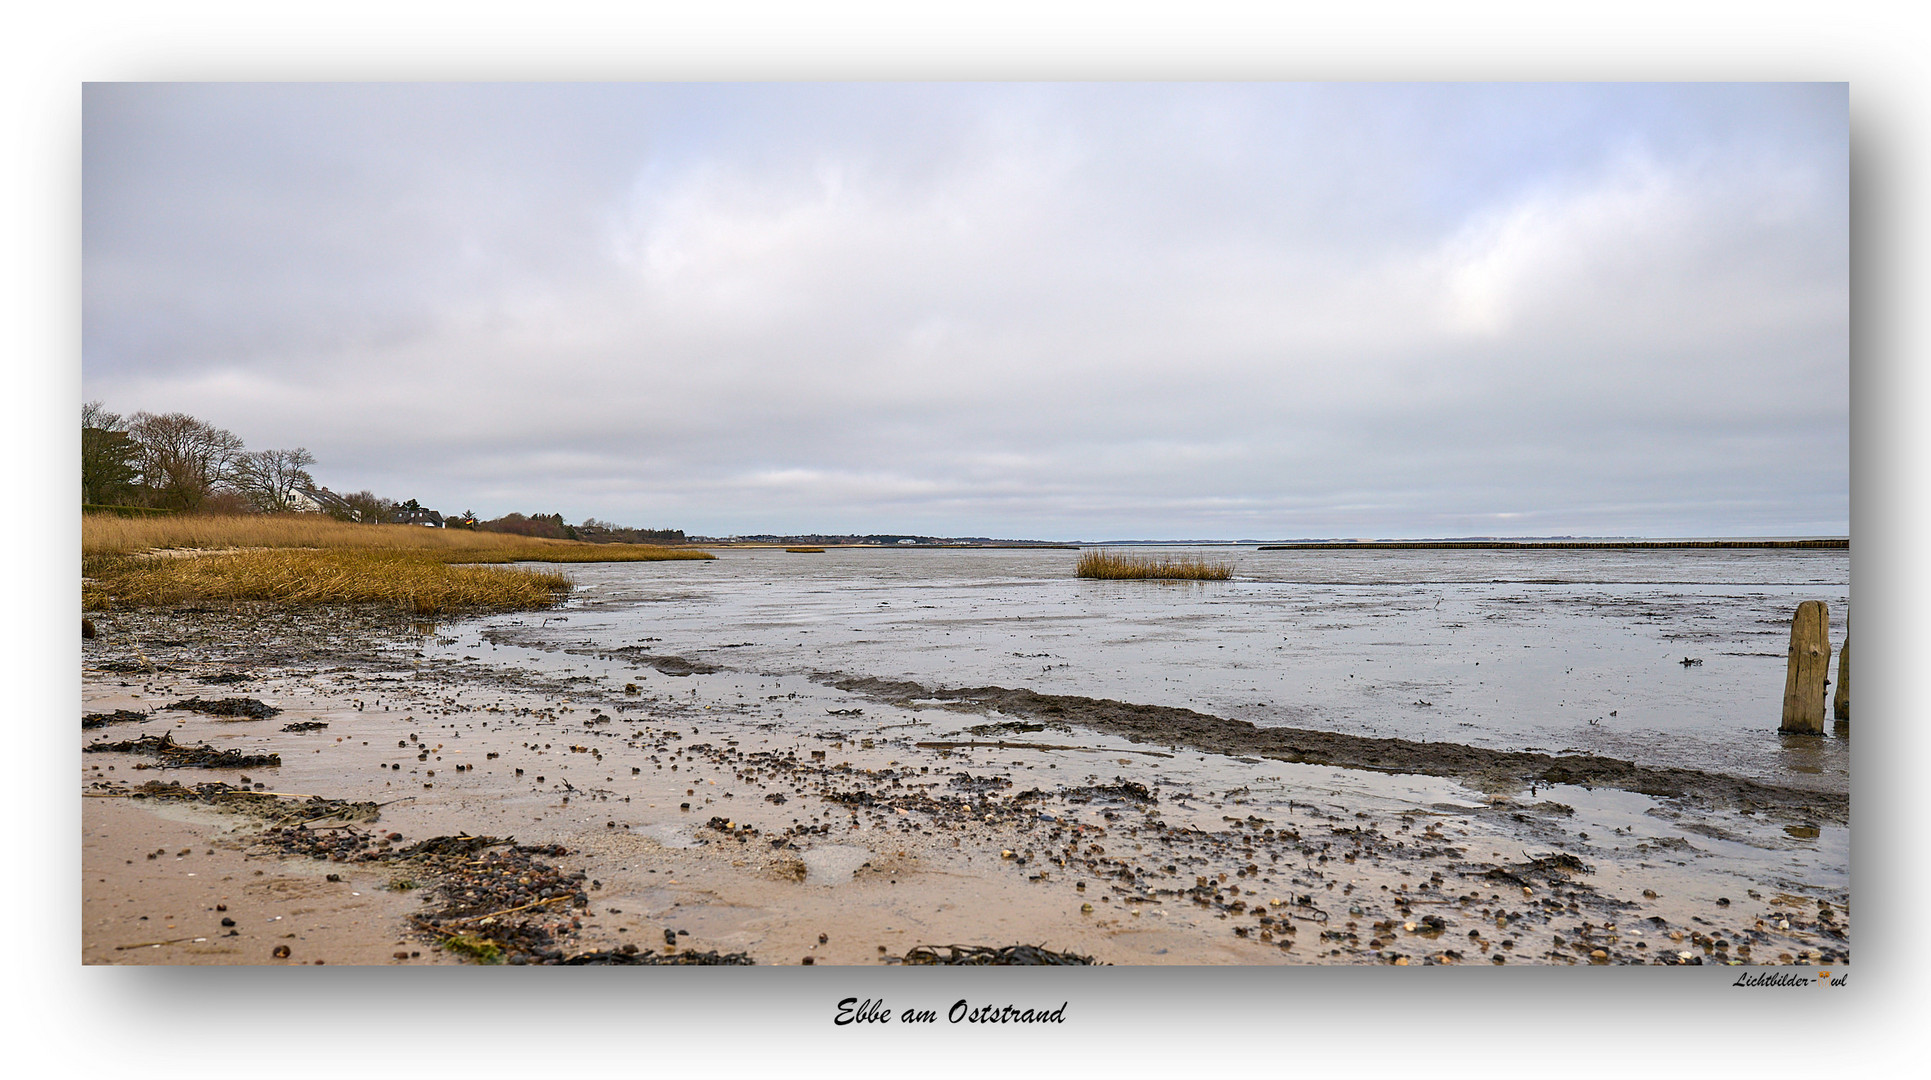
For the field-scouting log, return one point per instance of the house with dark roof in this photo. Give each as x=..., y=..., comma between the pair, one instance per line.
x=419, y=516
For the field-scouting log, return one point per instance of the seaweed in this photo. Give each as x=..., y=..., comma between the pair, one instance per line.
x=988, y=956
x=306, y=725
x=234, y=706
x=173, y=755
x=129, y=667
x=271, y=807
x=629, y=955
x=118, y=716
x=454, y=845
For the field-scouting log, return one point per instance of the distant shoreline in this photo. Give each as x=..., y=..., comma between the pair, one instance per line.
x=1842, y=544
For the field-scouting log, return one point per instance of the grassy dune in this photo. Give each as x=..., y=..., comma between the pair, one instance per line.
x=1113, y=565
x=302, y=559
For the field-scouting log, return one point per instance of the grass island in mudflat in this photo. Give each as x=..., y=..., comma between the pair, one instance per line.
x=968, y=756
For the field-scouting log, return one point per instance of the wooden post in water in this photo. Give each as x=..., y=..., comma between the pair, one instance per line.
x=1809, y=667
x=1840, y=706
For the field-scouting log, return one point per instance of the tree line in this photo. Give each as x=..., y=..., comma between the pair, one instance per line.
x=173, y=461
x=176, y=462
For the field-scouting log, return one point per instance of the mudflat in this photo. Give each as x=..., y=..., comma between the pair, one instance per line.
x=637, y=807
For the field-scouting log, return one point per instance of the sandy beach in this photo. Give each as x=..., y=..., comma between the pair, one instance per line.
x=648, y=807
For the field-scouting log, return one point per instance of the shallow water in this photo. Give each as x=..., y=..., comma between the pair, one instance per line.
x=511, y=711
x=1560, y=651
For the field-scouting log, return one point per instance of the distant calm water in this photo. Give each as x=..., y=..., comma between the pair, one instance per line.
x=1573, y=650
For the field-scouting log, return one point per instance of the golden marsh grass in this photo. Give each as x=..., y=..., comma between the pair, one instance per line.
x=1113, y=565
x=107, y=534
x=303, y=559
x=413, y=581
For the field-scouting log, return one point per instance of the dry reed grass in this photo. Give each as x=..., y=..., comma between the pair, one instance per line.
x=304, y=559
x=107, y=534
x=1113, y=565
x=418, y=582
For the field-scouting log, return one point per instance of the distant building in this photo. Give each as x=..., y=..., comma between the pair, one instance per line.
x=406, y=516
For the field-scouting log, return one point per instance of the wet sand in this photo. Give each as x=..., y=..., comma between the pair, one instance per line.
x=691, y=803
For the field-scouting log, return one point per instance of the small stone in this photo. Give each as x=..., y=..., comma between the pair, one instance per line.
x=810, y=961
x=281, y=952
x=227, y=922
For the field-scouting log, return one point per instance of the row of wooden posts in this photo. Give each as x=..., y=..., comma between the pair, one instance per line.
x=1809, y=672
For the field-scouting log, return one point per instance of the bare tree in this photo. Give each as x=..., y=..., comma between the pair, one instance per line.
x=366, y=506
x=268, y=479
x=107, y=455
x=182, y=460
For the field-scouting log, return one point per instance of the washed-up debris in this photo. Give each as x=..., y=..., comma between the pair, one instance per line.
x=271, y=806
x=118, y=716
x=455, y=845
x=173, y=755
x=1012, y=727
x=305, y=725
x=1547, y=867
x=968, y=782
x=631, y=954
x=128, y=667
x=987, y=956
x=227, y=677
x=1122, y=788
x=234, y=706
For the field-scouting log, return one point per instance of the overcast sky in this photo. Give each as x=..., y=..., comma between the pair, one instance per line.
x=1082, y=311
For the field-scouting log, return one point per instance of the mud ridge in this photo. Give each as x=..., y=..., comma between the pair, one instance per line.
x=1476, y=765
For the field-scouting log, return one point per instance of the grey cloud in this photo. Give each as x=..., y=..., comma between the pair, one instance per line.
x=1055, y=311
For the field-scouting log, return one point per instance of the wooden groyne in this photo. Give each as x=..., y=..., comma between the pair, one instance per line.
x=1840, y=706
x=1808, y=669
x=1512, y=545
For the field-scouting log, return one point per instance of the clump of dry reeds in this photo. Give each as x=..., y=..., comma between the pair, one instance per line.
x=303, y=559
x=1114, y=565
